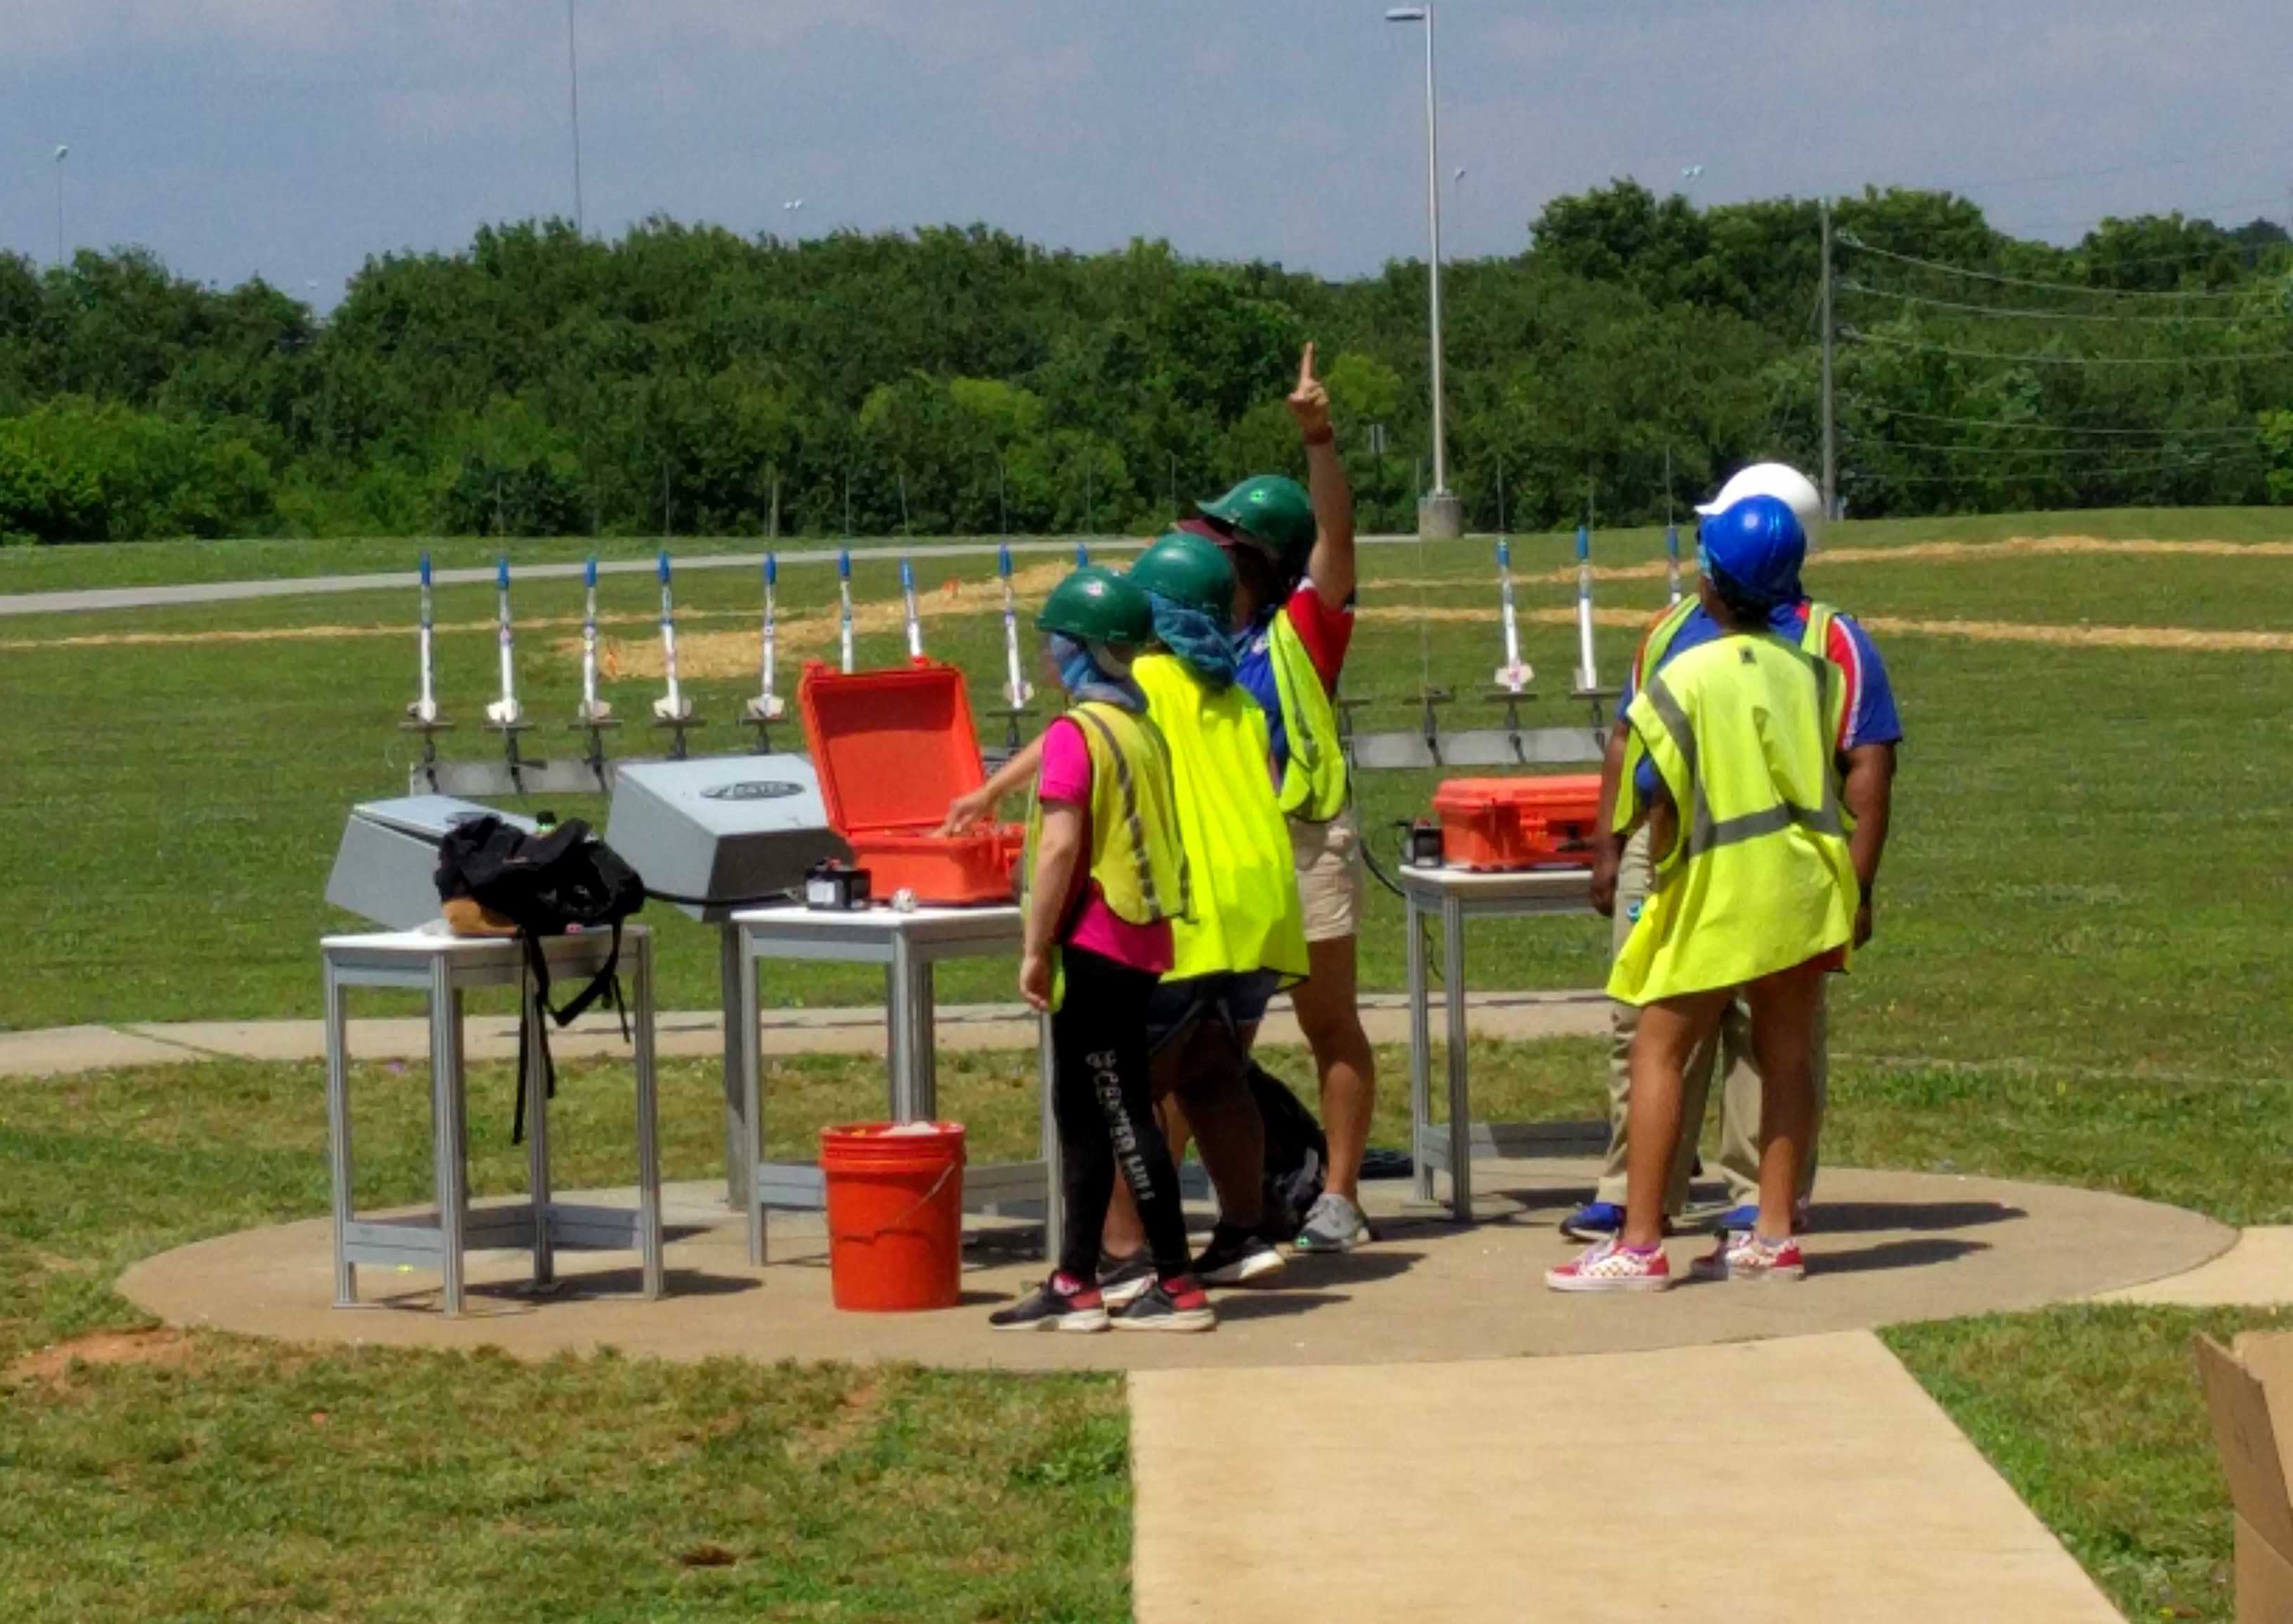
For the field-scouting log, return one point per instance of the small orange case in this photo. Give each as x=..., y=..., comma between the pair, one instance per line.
x=1519, y=822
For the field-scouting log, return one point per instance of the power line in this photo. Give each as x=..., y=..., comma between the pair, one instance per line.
x=1850, y=240
x=2050, y=452
x=1857, y=335
x=2026, y=313
x=2084, y=476
x=2030, y=425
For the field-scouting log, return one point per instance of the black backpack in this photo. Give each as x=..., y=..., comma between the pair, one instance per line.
x=547, y=885
x=1297, y=1153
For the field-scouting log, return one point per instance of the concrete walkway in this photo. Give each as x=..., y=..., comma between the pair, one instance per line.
x=59, y=1051
x=2257, y=1272
x=1803, y=1479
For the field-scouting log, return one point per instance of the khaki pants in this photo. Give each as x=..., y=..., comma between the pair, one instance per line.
x=1739, y=1100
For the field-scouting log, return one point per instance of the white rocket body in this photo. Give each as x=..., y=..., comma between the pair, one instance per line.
x=425, y=707
x=1017, y=690
x=505, y=711
x=1514, y=675
x=672, y=706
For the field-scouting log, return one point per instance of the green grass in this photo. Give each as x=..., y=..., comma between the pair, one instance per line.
x=231, y=1479
x=2093, y=1414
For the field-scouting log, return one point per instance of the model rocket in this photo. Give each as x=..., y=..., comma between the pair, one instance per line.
x=1082, y=556
x=844, y=603
x=673, y=706
x=505, y=711
x=767, y=705
x=1513, y=676
x=1672, y=557
x=426, y=708
x=593, y=710
x=915, y=621
x=1586, y=678
x=1017, y=690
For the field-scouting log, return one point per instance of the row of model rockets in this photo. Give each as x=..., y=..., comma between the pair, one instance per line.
x=675, y=708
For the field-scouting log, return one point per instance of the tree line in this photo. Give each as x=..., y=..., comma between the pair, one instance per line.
x=687, y=380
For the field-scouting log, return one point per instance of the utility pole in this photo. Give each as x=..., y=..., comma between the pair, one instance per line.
x=1830, y=441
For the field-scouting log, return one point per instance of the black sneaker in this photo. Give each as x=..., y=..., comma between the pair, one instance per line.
x=1235, y=1256
x=1180, y=1305
x=1122, y=1280
x=1049, y=1306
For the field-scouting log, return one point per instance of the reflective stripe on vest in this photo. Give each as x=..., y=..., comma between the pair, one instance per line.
x=1245, y=912
x=1314, y=787
x=1758, y=879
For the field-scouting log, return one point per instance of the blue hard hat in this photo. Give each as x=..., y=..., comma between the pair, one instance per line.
x=1757, y=546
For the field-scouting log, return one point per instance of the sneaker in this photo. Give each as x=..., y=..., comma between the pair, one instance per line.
x=1335, y=1224
x=1122, y=1280
x=1610, y=1265
x=1593, y=1221
x=1234, y=1257
x=1744, y=1219
x=1742, y=1254
x=1180, y=1305
x=1058, y=1304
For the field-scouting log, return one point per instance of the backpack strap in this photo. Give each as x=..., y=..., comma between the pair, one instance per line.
x=529, y=1032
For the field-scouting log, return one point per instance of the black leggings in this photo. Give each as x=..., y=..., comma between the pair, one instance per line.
x=1102, y=1100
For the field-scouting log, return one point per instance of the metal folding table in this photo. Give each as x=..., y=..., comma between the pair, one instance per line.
x=907, y=945
x=1456, y=895
x=446, y=967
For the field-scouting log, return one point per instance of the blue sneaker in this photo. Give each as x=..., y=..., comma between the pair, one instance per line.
x=1595, y=1221
x=1744, y=1219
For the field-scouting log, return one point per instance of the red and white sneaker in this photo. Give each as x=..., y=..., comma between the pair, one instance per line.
x=1610, y=1265
x=1742, y=1254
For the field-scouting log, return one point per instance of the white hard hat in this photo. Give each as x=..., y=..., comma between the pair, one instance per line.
x=1780, y=481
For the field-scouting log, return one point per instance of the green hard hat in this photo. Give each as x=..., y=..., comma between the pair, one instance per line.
x=1269, y=508
x=1189, y=571
x=1097, y=605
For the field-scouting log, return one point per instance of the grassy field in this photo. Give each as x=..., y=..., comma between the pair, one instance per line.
x=2078, y=978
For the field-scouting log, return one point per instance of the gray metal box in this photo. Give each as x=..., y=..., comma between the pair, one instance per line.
x=719, y=833
x=386, y=867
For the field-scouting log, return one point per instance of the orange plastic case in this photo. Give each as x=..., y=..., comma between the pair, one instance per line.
x=1519, y=822
x=892, y=748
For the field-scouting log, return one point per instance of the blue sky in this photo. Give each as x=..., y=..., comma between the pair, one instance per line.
x=293, y=137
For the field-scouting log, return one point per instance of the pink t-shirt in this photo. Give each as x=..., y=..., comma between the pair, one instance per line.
x=1066, y=776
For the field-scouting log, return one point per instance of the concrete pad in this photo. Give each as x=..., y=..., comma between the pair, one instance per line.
x=1552, y=1489
x=61, y=1050
x=2257, y=1272
x=1887, y=1246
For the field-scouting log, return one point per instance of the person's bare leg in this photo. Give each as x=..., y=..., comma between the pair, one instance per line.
x=1669, y=1030
x=1229, y=1135
x=1329, y=1013
x=1783, y=1044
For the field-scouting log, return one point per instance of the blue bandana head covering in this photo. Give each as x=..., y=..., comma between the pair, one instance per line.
x=1094, y=672
x=1201, y=644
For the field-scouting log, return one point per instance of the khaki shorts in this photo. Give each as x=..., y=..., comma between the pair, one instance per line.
x=1331, y=876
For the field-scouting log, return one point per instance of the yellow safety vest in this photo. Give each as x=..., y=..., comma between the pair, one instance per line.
x=1136, y=858
x=1245, y=887
x=1758, y=879
x=1314, y=785
x=1814, y=639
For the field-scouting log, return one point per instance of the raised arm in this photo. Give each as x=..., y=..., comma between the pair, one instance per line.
x=1331, y=564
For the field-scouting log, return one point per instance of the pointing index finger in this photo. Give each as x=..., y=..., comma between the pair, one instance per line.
x=1305, y=365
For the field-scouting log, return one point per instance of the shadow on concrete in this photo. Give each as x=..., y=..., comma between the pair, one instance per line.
x=1362, y=1268
x=1258, y=1303
x=1893, y=1255
x=1919, y=1217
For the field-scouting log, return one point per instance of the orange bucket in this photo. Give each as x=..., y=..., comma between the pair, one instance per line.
x=894, y=1215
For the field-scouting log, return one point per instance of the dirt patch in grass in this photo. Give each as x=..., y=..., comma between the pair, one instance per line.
x=161, y=1346
x=855, y=1413
x=2178, y=638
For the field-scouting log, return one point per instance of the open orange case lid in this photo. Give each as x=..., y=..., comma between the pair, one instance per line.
x=892, y=747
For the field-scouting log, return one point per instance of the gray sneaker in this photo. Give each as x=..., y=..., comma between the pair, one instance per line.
x=1335, y=1224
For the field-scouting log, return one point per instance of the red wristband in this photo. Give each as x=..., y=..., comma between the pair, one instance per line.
x=1322, y=436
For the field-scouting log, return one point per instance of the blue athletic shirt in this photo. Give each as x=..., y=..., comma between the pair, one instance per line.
x=1871, y=716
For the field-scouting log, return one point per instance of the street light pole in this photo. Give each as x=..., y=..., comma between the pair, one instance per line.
x=1439, y=514
x=574, y=97
x=63, y=152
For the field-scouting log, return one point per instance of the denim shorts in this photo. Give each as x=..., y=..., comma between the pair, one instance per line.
x=1238, y=998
